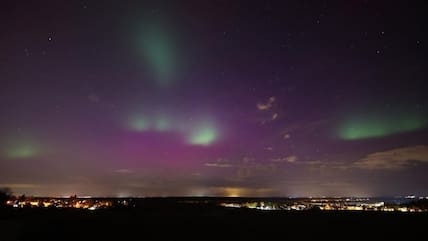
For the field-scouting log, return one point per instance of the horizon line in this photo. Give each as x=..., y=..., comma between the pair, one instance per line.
x=228, y=197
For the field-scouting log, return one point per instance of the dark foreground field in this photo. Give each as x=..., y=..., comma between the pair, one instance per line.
x=206, y=222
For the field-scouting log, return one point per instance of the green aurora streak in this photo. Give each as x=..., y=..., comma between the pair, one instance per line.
x=201, y=133
x=203, y=136
x=139, y=124
x=380, y=126
x=158, y=50
x=162, y=124
x=22, y=151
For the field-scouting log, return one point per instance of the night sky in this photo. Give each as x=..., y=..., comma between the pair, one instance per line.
x=214, y=98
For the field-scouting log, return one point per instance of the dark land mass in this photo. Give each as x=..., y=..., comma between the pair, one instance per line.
x=167, y=219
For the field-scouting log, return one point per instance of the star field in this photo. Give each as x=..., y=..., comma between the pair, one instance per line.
x=221, y=98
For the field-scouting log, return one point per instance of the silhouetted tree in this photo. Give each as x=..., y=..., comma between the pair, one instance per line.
x=5, y=194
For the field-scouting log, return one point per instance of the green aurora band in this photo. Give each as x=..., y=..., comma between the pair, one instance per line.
x=380, y=126
x=158, y=50
x=22, y=151
x=201, y=133
x=162, y=124
x=203, y=136
x=139, y=124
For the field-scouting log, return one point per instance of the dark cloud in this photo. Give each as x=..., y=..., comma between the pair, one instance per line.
x=394, y=159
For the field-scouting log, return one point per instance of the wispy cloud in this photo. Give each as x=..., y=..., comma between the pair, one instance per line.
x=124, y=171
x=288, y=159
x=323, y=164
x=274, y=116
x=245, y=168
x=219, y=163
x=266, y=105
x=249, y=167
x=94, y=98
x=19, y=185
x=394, y=159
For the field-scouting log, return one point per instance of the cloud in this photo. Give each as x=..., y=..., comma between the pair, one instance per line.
x=274, y=116
x=266, y=112
x=394, y=159
x=314, y=162
x=266, y=105
x=19, y=185
x=124, y=171
x=245, y=168
x=288, y=159
x=220, y=163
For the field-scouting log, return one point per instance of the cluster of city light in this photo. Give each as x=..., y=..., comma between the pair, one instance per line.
x=73, y=202
x=333, y=204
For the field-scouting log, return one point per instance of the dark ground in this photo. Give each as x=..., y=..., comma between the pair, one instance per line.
x=206, y=222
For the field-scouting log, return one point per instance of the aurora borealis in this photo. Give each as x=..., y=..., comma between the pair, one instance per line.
x=203, y=136
x=381, y=126
x=221, y=98
x=157, y=49
x=22, y=151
